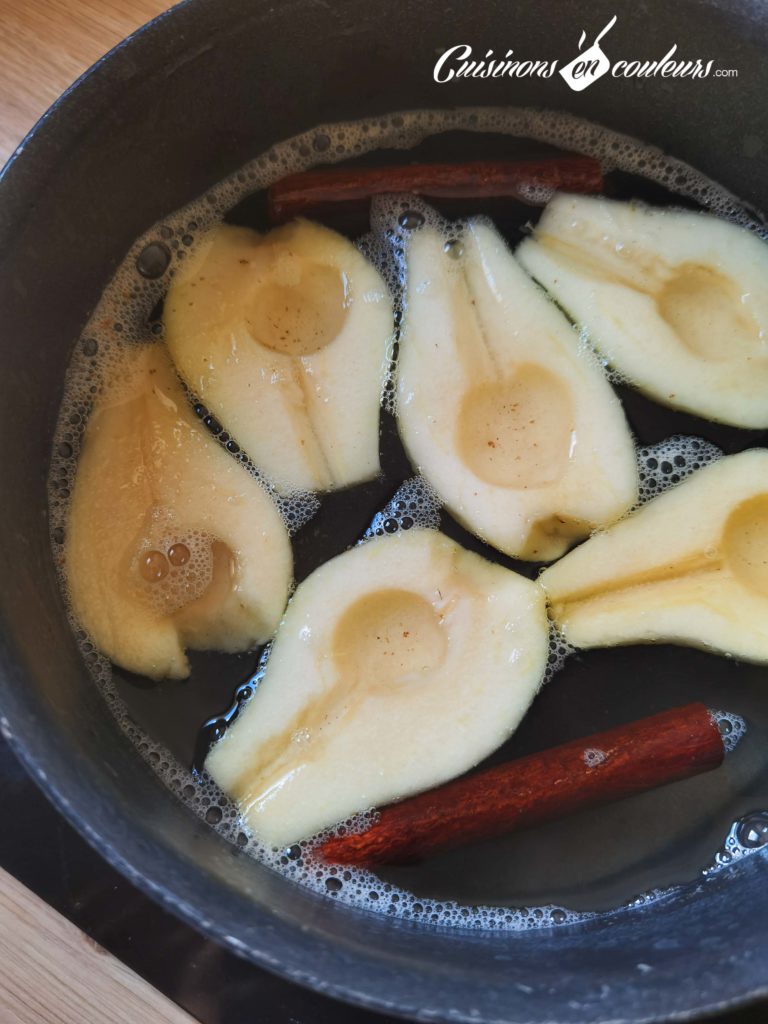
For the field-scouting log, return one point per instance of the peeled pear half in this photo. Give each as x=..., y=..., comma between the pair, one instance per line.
x=399, y=664
x=675, y=301
x=511, y=421
x=170, y=543
x=283, y=337
x=690, y=567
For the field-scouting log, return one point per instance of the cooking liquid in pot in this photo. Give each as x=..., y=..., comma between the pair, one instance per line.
x=625, y=854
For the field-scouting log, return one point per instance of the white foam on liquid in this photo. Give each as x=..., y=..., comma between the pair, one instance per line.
x=663, y=465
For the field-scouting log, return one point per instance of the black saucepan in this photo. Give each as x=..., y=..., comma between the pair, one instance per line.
x=167, y=114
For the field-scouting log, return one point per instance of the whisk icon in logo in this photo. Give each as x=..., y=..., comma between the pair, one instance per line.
x=590, y=65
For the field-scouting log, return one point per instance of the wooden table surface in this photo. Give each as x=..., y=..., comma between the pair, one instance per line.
x=50, y=972
x=46, y=44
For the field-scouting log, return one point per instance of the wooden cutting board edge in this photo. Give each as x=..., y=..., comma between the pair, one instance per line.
x=52, y=973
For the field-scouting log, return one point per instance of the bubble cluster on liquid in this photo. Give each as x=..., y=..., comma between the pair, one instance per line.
x=648, y=897
x=127, y=315
x=414, y=504
x=173, y=569
x=661, y=466
x=747, y=836
x=593, y=756
x=558, y=652
x=732, y=728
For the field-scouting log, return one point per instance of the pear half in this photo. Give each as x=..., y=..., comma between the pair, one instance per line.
x=399, y=664
x=170, y=543
x=511, y=421
x=283, y=337
x=690, y=567
x=675, y=301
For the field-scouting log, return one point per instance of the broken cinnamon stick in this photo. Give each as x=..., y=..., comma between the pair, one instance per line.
x=596, y=770
x=480, y=179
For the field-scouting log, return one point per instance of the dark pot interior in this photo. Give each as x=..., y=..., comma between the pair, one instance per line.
x=186, y=101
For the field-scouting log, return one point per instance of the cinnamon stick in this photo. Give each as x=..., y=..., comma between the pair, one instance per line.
x=480, y=179
x=596, y=770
